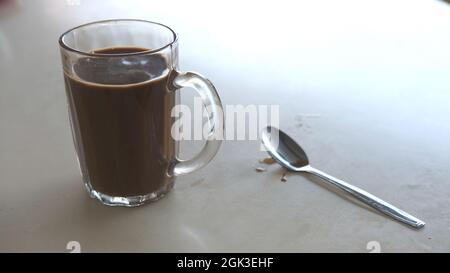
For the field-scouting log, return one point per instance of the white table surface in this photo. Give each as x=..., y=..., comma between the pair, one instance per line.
x=364, y=86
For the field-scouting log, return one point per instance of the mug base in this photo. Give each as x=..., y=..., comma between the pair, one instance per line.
x=129, y=201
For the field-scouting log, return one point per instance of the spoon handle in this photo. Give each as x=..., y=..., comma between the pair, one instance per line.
x=369, y=199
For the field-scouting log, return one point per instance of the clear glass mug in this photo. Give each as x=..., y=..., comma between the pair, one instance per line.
x=121, y=79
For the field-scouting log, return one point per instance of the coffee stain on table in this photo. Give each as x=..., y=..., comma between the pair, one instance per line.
x=301, y=121
x=265, y=161
x=284, y=176
x=260, y=169
x=268, y=161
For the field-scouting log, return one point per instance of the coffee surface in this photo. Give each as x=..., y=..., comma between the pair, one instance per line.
x=120, y=112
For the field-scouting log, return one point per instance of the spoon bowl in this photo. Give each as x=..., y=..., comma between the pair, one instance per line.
x=283, y=149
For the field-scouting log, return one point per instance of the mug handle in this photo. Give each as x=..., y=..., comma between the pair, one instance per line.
x=211, y=102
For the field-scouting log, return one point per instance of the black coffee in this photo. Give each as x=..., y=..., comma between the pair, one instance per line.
x=121, y=111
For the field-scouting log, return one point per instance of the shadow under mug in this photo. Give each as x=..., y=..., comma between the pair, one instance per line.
x=121, y=82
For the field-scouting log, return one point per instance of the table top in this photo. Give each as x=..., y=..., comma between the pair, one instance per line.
x=362, y=85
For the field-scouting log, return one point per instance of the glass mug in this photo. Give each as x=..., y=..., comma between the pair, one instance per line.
x=121, y=79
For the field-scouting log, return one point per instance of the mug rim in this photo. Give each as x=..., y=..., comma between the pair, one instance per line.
x=63, y=45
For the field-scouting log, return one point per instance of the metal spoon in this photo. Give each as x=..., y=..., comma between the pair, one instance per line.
x=290, y=155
